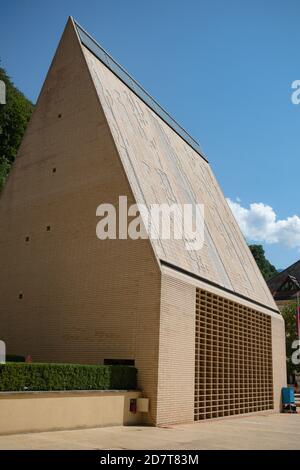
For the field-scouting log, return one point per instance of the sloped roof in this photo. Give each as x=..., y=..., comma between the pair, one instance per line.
x=279, y=279
x=289, y=289
x=134, y=86
x=162, y=165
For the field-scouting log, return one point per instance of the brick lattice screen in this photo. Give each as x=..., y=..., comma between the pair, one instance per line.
x=233, y=366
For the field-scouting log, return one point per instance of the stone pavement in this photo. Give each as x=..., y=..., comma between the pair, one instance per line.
x=275, y=431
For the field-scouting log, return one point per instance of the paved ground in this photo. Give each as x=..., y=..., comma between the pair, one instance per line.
x=253, y=432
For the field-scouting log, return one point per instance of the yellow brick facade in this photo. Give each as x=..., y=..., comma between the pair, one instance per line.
x=84, y=300
x=65, y=295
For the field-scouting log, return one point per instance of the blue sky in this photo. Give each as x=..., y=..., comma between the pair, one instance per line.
x=223, y=69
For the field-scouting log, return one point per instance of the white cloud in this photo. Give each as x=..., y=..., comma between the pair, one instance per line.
x=259, y=223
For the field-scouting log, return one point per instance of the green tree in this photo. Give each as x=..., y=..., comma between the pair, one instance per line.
x=289, y=315
x=14, y=117
x=266, y=268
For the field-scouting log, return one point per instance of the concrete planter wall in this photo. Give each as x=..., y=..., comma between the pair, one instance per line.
x=47, y=411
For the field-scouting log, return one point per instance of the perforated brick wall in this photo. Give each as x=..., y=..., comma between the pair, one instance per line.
x=233, y=358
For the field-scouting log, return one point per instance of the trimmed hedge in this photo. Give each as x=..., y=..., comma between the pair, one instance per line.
x=24, y=376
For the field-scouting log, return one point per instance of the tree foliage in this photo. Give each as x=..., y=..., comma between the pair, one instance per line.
x=14, y=117
x=266, y=268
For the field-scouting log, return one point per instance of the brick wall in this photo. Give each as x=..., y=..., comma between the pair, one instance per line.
x=176, y=351
x=83, y=300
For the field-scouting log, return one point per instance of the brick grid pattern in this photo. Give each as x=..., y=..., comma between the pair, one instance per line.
x=233, y=366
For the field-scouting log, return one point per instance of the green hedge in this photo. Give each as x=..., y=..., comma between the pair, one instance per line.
x=24, y=376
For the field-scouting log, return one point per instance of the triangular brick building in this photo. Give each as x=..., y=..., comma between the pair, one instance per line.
x=201, y=326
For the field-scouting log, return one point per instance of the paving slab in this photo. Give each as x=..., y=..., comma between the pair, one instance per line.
x=275, y=431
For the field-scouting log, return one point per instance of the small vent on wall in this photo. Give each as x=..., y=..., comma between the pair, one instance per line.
x=20, y=295
x=48, y=228
x=119, y=362
x=27, y=239
x=53, y=170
